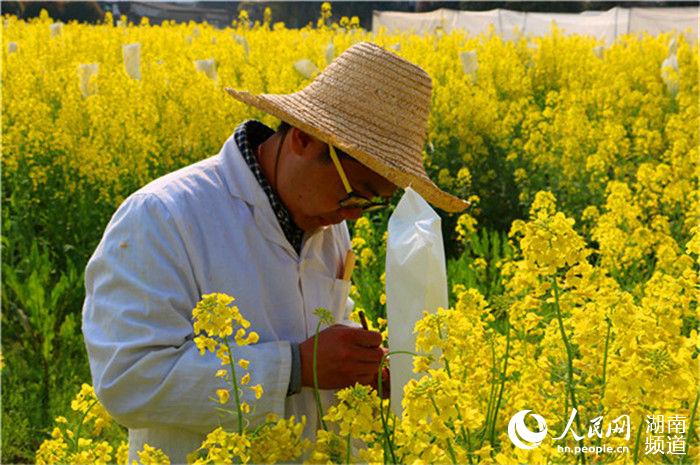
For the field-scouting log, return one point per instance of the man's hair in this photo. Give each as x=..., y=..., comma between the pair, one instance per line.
x=284, y=126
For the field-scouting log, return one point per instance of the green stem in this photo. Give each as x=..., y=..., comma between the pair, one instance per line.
x=80, y=426
x=492, y=393
x=389, y=443
x=690, y=432
x=464, y=373
x=566, y=402
x=605, y=366
x=393, y=432
x=469, y=447
x=385, y=450
x=236, y=396
x=451, y=451
x=569, y=357
x=605, y=354
x=449, y=443
x=347, y=452
x=449, y=374
x=636, y=442
x=317, y=394
x=503, y=383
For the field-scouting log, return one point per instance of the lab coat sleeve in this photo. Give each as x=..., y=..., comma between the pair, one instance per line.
x=146, y=370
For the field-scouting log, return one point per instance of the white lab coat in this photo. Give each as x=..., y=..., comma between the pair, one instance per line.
x=205, y=228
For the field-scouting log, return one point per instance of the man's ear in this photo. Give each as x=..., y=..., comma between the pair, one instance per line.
x=304, y=144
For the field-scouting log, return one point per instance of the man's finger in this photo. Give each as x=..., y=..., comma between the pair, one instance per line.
x=367, y=338
x=367, y=355
x=368, y=380
x=358, y=369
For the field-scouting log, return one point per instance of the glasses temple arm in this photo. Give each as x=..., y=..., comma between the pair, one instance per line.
x=339, y=168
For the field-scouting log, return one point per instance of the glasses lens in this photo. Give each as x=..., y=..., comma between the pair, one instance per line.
x=374, y=207
x=355, y=202
x=363, y=203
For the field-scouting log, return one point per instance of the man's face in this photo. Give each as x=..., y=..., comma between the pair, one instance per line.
x=311, y=188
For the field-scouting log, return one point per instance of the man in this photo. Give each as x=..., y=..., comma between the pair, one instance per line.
x=263, y=221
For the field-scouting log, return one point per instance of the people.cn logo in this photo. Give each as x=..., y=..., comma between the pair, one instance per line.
x=519, y=433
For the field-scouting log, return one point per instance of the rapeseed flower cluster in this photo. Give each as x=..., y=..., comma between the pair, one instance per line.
x=574, y=339
x=369, y=245
x=551, y=113
x=152, y=456
x=214, y=320
x=607, y=350
x=79, y=438
x=356, y=413
x=592, y=151
x=276, y=440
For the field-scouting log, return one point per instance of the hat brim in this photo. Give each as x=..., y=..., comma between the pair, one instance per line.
x=314, y=120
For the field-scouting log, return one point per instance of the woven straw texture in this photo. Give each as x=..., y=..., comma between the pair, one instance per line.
x=372, y=104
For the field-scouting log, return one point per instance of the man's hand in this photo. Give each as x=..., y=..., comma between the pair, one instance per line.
x=345, y=356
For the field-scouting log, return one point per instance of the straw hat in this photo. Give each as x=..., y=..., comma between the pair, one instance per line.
x=373, y=105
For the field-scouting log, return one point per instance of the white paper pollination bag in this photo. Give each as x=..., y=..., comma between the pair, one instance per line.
x=415, y=281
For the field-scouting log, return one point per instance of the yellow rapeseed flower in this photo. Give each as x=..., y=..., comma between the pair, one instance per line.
x=223, y=395
x=257, y=390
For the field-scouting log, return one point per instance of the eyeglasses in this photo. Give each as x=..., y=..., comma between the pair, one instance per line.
x=354, y=200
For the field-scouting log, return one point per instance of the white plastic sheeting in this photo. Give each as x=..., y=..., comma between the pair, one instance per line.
x=417, y=22
x=604, y=25
x=656, y=20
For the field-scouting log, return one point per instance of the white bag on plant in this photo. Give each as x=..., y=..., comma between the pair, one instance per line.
x=669, y=74
x=416, y=281
x=132, y=59
x=470, y=63
x=207, y=67
x=86, y=71
x=306, y=68
x=56, y=29
x=242, y=42
x=330, y=52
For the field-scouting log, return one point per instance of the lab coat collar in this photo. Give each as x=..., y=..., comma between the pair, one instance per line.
x=241, y=183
